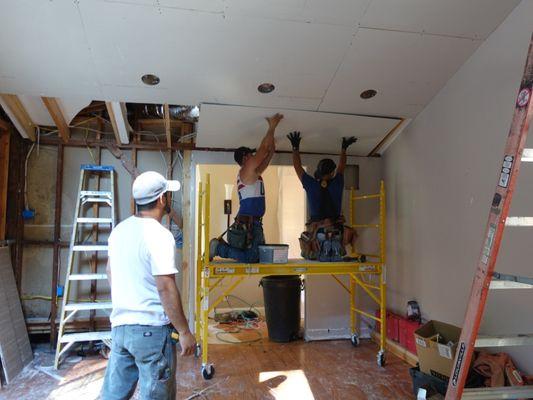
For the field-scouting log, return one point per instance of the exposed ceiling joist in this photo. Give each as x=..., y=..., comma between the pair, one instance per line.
x=18, y=115
x=4, y=125
x=59, y=119
x=118, y=116
x=167, y=125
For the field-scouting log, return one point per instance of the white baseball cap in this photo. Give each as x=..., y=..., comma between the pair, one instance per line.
x=148, y=186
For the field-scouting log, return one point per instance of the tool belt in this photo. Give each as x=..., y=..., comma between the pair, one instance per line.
x=311, y=242
x=240, y=233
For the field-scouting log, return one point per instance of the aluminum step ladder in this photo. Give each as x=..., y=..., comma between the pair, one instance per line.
x=96, y=199
x=485, y=277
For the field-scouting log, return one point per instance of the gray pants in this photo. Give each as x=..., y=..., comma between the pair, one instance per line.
x=145, y=354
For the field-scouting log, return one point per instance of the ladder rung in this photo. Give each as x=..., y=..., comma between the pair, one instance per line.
x=519, y=221
x=87, y=277
x=85, y=336
x=96, y=200
x=509, y=285
x=91, y=167
x=507, y=392
x=90, y=247
x=88, y=306
x=95, y=193
x=504, y=340
x=88, y=220
x=506, y=281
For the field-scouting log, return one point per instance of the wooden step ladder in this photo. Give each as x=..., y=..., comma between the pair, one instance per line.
x=485, y=278
x=94, y=199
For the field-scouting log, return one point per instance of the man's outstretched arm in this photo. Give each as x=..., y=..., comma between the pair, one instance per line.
x=171, y=301
x=266, y=162
x=346, y=142
x=264, y=152
x=295, y=139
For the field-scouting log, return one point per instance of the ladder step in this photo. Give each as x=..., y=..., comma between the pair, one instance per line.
x=507, y=392
x=91, y=167
x=87, y=277
x=96, y=193
x=85, y=336
x=87, y=220
x=519, y=221
x=90, y=247
x=88, y=306
x=506, y=281
x=96, y=200
x=505, y=340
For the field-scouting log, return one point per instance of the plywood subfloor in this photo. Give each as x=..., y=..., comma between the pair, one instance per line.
x=262, y=370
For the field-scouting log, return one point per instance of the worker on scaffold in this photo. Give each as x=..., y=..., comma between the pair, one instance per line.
x=326, y=236
x=246, y=233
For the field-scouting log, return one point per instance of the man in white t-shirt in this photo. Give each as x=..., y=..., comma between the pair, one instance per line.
x=145, y=298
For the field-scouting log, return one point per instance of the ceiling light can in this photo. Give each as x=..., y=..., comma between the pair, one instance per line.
x=150, y=79
x=266, y=88
x=368, y=94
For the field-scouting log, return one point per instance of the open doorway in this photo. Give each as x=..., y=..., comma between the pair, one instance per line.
x=283, y=222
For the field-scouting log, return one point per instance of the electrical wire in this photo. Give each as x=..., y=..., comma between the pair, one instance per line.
x=252, y=306
x=26, y=207
x=219, y=334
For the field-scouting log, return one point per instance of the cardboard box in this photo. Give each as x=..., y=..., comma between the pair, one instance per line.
x=435, y=352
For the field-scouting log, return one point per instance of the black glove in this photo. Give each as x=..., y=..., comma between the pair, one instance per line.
x=348, y=141
x=295, y=138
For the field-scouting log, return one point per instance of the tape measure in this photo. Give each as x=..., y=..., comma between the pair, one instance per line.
x=174, y=336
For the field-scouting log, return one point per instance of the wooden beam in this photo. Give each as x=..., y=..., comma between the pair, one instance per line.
x=167, y=125
x=4, y=173
x=59, y=119
x=389, y=137
x=157, y=122
x=119, y=121
x=57, y=248
x=53, y=141
x=19, y=232
x=4, y=125
x=18, y=115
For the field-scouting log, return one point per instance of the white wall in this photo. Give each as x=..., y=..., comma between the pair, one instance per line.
x=441, y=174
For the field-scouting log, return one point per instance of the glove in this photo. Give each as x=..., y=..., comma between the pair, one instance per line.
x=295, y=138
x=348, y=141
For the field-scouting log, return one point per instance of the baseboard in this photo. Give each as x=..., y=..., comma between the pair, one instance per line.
x=397, y=350
x=326, y=334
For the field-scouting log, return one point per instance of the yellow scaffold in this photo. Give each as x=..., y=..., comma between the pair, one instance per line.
x=368, y=275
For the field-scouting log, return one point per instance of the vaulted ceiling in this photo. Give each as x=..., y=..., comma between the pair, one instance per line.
x=320, y=54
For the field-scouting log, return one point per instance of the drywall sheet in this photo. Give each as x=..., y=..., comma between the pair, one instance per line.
x=15, y=349
x=223, y=126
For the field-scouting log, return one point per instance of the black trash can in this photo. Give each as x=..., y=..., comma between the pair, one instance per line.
x=282, y=306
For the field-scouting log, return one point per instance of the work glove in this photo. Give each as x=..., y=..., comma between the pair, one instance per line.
x=348, y=141
x=295, y=138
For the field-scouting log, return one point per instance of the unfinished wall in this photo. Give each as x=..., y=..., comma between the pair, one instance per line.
x=41, y=180
x=441, y=174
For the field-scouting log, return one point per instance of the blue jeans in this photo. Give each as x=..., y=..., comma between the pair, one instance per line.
x=141, y=353
x=250, y=255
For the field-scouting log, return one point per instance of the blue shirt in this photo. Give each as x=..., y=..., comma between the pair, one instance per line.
x=313, y=190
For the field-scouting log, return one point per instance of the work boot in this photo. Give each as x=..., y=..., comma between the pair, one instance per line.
x=336, y=251
x=213, y=245
x=325, y=251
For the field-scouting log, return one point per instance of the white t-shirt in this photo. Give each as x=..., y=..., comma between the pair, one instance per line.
x=139, y=249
